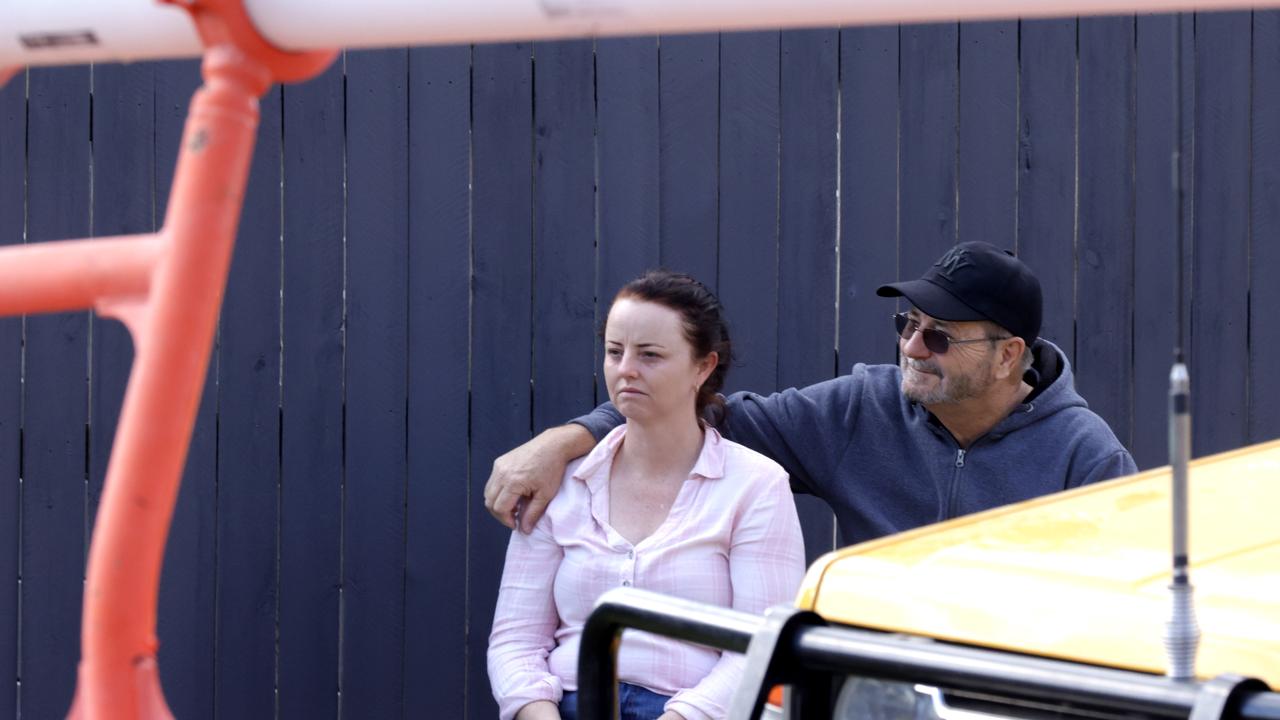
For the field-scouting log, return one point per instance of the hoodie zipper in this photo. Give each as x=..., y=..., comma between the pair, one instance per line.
x=949, y=511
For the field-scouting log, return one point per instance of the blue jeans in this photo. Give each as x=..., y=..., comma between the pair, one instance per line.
x=634, y=703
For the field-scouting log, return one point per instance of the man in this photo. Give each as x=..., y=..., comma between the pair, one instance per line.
x=979, y=412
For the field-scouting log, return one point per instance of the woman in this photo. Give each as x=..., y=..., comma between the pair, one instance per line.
x=662, y=503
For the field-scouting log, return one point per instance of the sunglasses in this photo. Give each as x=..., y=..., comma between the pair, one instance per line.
x=937, y=341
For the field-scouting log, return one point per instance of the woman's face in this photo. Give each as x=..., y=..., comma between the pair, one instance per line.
x=648, y=364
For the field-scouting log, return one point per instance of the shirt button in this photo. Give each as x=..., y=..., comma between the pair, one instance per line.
x=631, y=554
x=626, y=583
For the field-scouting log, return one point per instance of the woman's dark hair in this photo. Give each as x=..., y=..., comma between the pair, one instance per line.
x=704, y=325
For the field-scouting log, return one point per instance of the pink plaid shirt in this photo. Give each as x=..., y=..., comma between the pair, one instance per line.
x=732, y=538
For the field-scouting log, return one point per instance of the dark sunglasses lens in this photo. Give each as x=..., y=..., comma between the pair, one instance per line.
x=935, y=340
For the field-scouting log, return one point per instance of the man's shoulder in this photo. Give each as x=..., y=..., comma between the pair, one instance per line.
x=1084, y=435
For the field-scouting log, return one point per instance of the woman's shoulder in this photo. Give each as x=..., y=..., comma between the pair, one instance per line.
x=742, y=464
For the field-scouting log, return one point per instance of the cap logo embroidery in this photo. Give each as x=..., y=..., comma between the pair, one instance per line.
x=955, y=259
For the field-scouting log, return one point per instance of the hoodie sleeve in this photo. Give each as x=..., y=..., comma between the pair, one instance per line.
x=601, y=421
x=1116, y=464
x=805, y=431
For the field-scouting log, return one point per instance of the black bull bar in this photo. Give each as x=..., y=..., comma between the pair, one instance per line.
x=797, y=648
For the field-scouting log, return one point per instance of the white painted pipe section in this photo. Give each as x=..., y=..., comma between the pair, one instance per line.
x=66, y=32
x=374, y=23
x=52, y=32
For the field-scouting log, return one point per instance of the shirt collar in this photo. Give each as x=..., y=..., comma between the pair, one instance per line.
x=594, y=470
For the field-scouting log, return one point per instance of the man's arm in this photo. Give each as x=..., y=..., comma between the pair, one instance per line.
x=1117, y=464
x=805, y=431
x=525, y=478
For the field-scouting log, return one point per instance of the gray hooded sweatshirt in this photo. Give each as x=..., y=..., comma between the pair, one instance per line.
x=885, y=464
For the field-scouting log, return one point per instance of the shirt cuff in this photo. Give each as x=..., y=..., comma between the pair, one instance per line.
x=548, y=688
x=600, y=422
x=687, y=711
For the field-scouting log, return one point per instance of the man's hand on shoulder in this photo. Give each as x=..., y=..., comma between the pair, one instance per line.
x=524, y=479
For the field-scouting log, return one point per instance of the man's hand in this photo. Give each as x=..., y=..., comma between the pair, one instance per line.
x=525, y=478
x=671, y=715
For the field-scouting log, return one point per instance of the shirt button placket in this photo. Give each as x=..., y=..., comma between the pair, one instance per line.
x=629, y=567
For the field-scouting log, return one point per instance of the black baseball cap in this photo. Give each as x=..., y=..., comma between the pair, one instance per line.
x=977, y=281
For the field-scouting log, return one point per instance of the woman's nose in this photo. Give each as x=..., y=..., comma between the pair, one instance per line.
x=627, y=365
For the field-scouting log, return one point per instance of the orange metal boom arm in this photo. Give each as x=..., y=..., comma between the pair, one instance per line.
x=167, y=287
x=76, y=274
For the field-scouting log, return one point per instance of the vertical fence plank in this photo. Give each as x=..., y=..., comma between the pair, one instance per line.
x=807, y=231
x=439, y=320
x=312, y=401
x=988, y=172
x=748, y=281
x=1105, y=275
x=869, y=181
x=1155, y=239
x=564, y=338
x=868, y=193
x=627, y=118
x=1219, y=361
x=53, y=498
x=927, y=148
x=1264, y=248
x=1047, y=170
x=188, y=582
x=123, y=203
x=501, y=333
x=249, y=440
x=311, y=431
x=688, y=153
x=13, y=170
x=376, y=380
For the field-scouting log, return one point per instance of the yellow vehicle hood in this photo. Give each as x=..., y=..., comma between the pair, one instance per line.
x=1083, y=575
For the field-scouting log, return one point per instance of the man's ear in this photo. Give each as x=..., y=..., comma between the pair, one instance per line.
x=1011, y=357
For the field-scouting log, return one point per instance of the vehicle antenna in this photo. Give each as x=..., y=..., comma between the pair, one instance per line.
x=1182, y=633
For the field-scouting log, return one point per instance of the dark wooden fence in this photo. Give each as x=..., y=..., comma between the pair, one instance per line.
x=431, y=236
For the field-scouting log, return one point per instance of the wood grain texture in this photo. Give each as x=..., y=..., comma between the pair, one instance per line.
x=435, y=641
x=54, y=482
x=1105, y=267
x=1047, y=171
x=13, y=170
x=807, y=180
x=376, y=471
x=312, y=395
x=1219, y=355
x=502, y=198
